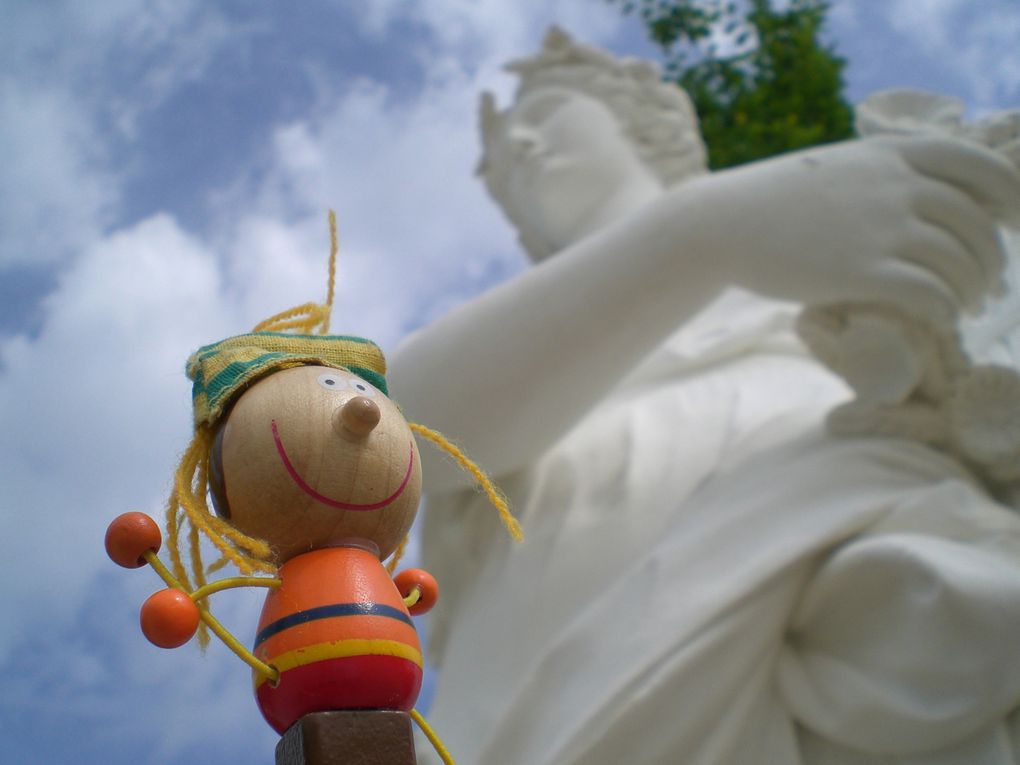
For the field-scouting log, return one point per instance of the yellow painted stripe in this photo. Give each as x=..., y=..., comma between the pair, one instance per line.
x=341, y=649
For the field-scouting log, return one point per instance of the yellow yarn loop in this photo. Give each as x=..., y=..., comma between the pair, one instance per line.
x=309, y=318
x=303, y=318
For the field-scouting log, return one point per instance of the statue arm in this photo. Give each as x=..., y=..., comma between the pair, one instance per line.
x=509, y=372
x=909, y=221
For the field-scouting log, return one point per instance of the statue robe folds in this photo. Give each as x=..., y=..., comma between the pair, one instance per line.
x=766, y=593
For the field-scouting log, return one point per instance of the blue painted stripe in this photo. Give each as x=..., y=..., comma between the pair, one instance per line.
x=327, y=612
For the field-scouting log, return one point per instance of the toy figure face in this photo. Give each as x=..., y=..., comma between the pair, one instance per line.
x=313, y=457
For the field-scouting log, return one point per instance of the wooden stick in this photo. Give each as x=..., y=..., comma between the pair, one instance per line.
x=369, y=737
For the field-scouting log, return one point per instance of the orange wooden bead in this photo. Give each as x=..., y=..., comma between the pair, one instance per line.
x=412, y=578
x=129, y=536
x=169, y=618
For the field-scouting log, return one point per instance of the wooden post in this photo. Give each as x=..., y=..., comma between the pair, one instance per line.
x=369, y=737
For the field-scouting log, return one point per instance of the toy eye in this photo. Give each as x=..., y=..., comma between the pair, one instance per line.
x=362, y=387
x=331, y=381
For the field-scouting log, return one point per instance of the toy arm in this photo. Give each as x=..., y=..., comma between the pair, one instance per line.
x=170, y=617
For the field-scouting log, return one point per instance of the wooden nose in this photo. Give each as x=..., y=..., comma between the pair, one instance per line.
x=359, y=415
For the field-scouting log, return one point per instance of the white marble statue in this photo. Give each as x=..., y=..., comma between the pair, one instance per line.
x=708, y=576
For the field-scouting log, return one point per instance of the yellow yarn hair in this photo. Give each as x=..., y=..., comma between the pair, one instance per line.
x=394, y=560
x=188, y=499
x=187, y=503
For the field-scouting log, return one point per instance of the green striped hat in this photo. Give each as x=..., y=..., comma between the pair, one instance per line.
x=220, y=371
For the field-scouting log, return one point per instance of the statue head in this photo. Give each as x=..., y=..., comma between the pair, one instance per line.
x=586, y=130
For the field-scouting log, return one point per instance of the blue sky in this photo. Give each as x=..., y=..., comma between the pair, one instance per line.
x=167, y=167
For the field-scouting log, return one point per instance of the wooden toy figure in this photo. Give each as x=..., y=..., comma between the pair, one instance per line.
x=315, y=479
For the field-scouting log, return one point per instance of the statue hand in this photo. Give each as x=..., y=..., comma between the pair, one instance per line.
x=912, y=221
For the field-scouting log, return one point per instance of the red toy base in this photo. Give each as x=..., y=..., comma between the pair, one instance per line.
x=353, y=682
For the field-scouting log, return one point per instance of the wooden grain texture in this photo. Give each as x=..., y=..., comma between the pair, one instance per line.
x=348, y=738
x=308, y=465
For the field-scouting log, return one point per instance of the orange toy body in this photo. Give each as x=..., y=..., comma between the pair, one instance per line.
x=339, y=633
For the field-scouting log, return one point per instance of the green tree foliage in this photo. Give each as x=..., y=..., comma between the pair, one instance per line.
x=778, y=87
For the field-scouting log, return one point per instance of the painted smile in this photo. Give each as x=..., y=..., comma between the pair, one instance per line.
x=303, y=485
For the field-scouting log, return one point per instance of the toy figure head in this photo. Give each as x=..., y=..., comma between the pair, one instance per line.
x=300, y=447
x=303, y=446
x=314, y=456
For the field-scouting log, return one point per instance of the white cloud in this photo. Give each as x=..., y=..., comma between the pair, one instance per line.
x=76, y=79
x=96, y=406
x=929, y=22
x=495, y=29
x=55, y=192
x=978, y=42
x=413, y=221
x=991, y=52
x=125, y=699
x=844, y=14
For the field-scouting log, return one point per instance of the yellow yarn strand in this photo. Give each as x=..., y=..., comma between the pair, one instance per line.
x=200, y=486
x=268, y=671
x=437, y=744
x=334, y=248
x=172, y=532
x=189, y=495
x=394, y=560
x=164, y=573
x=233, y=582
x=495, y=497
x=200, y=582
x=217, y=565
x=308, y=317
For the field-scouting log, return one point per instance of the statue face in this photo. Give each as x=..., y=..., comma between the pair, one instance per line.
x=314, y=456
x=568, y=164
